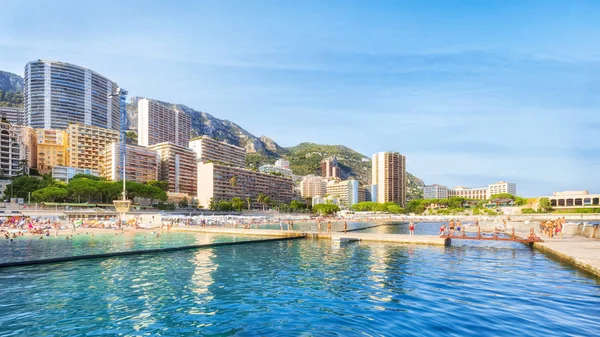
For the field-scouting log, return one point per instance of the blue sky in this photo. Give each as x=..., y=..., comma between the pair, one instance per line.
x=470, y=91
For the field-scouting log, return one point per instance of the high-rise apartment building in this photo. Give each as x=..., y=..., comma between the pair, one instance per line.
x=141, y=163
x=218, y=182
x=12, y=152
x=312, y=186
x=87, y=144
x=51, y=149
x=389, y=174
x=14, y=116
x=158, y=123
x=330, y=168
x=58, y=93
x=177, y=167
x=435, y=191
x=28, y=136
x=210, y=150
x=346, y=191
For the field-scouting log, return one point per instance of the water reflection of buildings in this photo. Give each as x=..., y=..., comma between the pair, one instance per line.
x=204, y=266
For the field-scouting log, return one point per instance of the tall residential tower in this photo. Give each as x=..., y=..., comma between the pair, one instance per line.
x=58, y=93
x=389, y=174
x=159, y=123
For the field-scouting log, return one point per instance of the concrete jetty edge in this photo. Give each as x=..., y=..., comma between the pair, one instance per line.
x=569, y=257
x=139, y=252
x=397, y=238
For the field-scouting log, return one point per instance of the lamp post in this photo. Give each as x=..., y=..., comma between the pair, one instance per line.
x=122, y=206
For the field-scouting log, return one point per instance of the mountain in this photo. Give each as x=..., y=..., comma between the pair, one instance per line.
x=10, y=82
x=304, y=158
x=205, y=124
x=11, y=89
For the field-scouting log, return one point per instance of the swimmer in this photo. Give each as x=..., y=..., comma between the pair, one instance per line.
x=158, y=235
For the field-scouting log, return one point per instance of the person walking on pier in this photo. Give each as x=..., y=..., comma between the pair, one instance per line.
x=411, y=228
x=329, y=227
x=345, y=226
x=451, y=227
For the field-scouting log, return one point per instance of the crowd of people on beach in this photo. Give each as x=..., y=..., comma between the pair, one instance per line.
x=553, y=228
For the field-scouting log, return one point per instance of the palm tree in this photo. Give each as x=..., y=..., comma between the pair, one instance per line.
x=233, y=181
x=263, y=199
x=248, y=200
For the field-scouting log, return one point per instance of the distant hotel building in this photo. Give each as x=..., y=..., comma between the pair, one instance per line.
x=312, y=186
x=159, y=123
x=86, y=145
x=483, y=193
x=57, y=94
x=66, y=173
x=216, y=182
x=177, y=167
x=12, y=152
x=330, y=168
x=476, y=193
x=210, y=150
x=141, y=163
x=345, y=191
x=389, y=174
x=435, y=191
x=51, y=149
x=14, y=116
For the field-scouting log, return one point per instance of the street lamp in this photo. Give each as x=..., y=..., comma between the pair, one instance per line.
x=122, y=206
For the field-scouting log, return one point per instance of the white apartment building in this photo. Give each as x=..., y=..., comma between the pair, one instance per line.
x=502, y=187
x=435, y=191
x=345, y=191
x=66, y=173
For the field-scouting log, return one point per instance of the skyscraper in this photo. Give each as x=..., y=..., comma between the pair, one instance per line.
x=158, y=123
x=58, y=93
x=389, y=174
x=330, y=168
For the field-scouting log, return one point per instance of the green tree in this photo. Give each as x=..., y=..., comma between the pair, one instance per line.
x=21, y=187
x=163, y=185
x=326, y=209
x=296, y=206
x=237, y=204
x=88, y=176
x=50, y=194
x=183, y=203
x=395, y=209
x=82, y=188
x=544, y=205
x=233, y=181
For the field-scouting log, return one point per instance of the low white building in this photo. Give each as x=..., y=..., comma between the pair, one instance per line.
x=66, y=173
x=574, y=199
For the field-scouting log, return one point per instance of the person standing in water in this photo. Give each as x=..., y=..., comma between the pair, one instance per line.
x=345, y=226
x=411, y=228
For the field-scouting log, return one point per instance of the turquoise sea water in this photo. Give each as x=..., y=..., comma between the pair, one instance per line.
x=29, y=248
x=303, y=288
